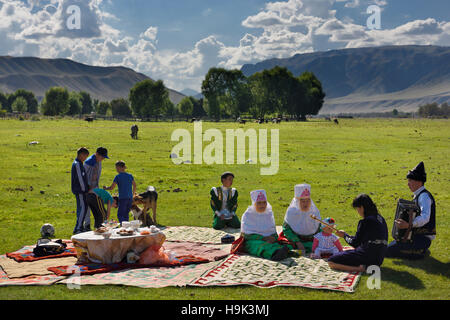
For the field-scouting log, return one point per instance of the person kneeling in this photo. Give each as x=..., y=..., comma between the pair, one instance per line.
x=259, y=231
x=370, y=241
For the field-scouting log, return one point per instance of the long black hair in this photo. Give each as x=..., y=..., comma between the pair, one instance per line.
x=363, y=200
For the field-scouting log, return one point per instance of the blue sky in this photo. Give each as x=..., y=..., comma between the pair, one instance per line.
x=179, y=40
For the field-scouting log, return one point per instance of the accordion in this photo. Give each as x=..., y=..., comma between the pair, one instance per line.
x=407, y=211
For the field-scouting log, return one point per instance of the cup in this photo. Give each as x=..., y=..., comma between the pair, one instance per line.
x=126, y=224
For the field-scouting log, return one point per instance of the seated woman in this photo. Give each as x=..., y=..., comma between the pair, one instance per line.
x=298, y=228
x=259, y=231
x=370, y=241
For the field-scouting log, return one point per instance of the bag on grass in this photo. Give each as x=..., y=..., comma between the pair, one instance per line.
x=47, y=247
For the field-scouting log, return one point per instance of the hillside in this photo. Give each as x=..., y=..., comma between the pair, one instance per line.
x=374, y=79
x=38, y=75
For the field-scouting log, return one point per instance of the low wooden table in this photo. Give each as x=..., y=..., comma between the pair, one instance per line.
x=93, y=248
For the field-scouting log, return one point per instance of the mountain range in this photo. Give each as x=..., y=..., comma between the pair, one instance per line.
x=374, y=79
x=38, y=75
x=359, y=80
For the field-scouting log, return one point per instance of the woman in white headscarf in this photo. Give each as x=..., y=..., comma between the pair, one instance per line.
x=298, y=227
x=259, y=231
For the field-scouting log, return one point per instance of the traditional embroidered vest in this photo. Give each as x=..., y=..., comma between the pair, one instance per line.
x=428, y=229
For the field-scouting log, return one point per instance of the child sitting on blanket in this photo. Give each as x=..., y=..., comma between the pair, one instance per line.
x=224, y=203
x=259, y=231
x=326, y=243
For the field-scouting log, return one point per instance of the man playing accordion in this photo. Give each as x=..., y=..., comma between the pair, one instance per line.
x=423, y=225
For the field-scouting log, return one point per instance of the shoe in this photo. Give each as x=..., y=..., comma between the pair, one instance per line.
x=280, y=254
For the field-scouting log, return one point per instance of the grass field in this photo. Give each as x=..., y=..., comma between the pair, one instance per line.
x=371, y=156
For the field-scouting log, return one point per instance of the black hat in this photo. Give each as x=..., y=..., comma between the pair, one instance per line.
x=103, y=152
x=418, y=173
x=226, y=174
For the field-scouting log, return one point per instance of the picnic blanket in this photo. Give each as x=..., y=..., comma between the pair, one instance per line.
x=26, y=253
x=14, y=269
x=157, y=277
x=34, y=280
x=198, y=234
x=218, y=268
x=291, y=272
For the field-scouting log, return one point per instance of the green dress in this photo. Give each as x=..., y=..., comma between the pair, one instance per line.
x=294, y=237
x=256, y=246
x=216, y=205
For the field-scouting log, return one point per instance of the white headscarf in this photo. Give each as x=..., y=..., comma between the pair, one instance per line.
x=254, y=222
x=300, y=221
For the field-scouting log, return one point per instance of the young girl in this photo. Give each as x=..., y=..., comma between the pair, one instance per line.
x=325, y=242
x=259, y=230
x=370, y=241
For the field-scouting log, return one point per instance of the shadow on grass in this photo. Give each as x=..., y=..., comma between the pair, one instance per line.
x=402, y=278
x=429, y=265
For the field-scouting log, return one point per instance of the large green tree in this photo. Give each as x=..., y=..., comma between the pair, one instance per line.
x=32, y=103
x=314, y=94
x=103, y=107
x=225, y=93
x=4, y=102
x=121, y=108
x=86, y=102
x=148, y=98
x=74, y=104
x=56, y=102
x=186, y=107
x=20, y=105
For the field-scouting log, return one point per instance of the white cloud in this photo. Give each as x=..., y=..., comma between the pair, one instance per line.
x=281, y=29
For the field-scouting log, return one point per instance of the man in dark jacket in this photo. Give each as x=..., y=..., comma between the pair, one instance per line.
x=423, y=226
x=80, y=188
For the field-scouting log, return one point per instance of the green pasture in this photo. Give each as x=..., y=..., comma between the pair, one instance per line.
x=340, y=161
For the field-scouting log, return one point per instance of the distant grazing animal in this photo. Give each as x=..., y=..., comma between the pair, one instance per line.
x=134, y=132
x=149, y=199
x=336, y=121
x=89, y=119
x=276, y=120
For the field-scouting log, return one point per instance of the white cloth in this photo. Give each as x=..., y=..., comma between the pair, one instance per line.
x=302, y=191
x=254, y=222
x=225, y=192
x=258, y=195
x=301, y=222
x=425, y=209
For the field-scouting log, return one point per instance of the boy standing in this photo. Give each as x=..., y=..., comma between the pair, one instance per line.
x=93, y=167
x=80, y=189
x=127, y=188
x=224, y=204
x=97, y=199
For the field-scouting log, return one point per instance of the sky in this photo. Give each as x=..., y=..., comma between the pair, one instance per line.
x=178, y=41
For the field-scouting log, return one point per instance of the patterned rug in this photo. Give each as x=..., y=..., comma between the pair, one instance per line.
x=26, y=253
x=44, y=280
x=198, y=234
x=234, y=270
x=291, y=272
x=147, y=277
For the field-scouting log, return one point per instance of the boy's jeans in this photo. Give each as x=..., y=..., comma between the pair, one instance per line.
x=124, y=209
x=82, y=213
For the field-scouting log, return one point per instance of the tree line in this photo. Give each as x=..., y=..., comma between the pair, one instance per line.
x=227, y=94
x=433, y=110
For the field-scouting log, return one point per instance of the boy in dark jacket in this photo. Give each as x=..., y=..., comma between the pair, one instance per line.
x=80, y=188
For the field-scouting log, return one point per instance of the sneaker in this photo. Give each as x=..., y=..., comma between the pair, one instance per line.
x=280, y=254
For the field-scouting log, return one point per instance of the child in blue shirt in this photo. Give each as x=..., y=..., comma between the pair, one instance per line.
x=127, y=188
